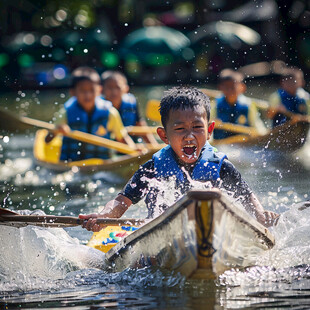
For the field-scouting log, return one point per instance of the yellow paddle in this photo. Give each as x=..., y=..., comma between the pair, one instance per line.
x=235, y=128
x=213, y=93
x=152, y=112
x=9, y=118
x=152, y=107
x=141, y=130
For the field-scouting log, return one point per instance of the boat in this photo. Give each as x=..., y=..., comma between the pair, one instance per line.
x=48, y=154
x=288, y=137
x=200, y=236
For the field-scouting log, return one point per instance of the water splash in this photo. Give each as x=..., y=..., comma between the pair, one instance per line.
x=33, y=255
x=281, y=275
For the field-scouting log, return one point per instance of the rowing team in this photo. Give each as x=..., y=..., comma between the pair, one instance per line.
x=103, y=106
x=185, y=116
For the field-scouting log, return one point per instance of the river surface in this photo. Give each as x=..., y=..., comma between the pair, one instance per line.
x=53, y=269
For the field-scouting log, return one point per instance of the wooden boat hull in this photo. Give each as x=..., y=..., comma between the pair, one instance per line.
x=201, y=235
x=48, y=154
x=288, y=137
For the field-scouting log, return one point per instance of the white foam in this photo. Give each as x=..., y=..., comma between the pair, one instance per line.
x=32, y=255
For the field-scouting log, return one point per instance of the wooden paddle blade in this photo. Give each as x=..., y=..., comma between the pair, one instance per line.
x=11, y=122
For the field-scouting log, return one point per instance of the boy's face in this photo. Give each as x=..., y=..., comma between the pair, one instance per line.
x=292, y=83
x=113, y=90
x=187, y=132
x=231, y=90
x=86, y=92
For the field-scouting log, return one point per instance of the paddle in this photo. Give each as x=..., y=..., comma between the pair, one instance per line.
x=10, y=218
x=141, y=130
x=152, y=112
x=212, y=93
x=235, y=128
x=9, y=121
x=294, y=117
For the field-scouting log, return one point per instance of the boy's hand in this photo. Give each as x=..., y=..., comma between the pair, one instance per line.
x=282, y=109
x=59, y=130
x=271, y=218
x=63, y=129
x=267, y=218
x=90, y=221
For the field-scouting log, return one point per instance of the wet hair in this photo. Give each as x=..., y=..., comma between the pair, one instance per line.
x=113, y=75
x=84, y=74
x=230, y=75
x=182, y=98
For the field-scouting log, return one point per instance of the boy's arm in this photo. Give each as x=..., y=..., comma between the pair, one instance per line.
x=115, y=125
x=275, y=105
x=255, y=120
x=133, y=192
x=61, y=124
x=253, y=206
x=233, y=182
x=113, y=209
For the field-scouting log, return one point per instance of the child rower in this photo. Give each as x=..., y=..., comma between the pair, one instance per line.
x=233, y=107
x=86, y=111
x=188, y=158
x=290, y=98
x=115, y=88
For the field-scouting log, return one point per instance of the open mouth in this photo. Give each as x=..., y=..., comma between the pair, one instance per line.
x=189, y=149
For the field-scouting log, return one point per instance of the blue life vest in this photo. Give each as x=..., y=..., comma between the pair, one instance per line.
x=207, y=168
x=231, y=114
x=128, y=110
x=79, y=119
x=294, y=104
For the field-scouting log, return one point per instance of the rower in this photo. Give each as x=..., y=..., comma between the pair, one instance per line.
x=186, y=162
x=233, y=107
x=115, y=88
x=86, y=111
x=290, y=99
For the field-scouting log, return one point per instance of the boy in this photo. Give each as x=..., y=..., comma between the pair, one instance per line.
x=115, y=89
x=185, y=114
x=233, y=107
x=290, y=98
x=87, y=112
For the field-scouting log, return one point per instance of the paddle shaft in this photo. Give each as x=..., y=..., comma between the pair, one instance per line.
x=213, y=93
x=141, y=130
x=154, y=115
x=235, y=128
x=77, y=135
x=152, y=112
x=60, y=221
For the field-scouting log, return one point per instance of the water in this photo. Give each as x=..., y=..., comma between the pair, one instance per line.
x=53, y=269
